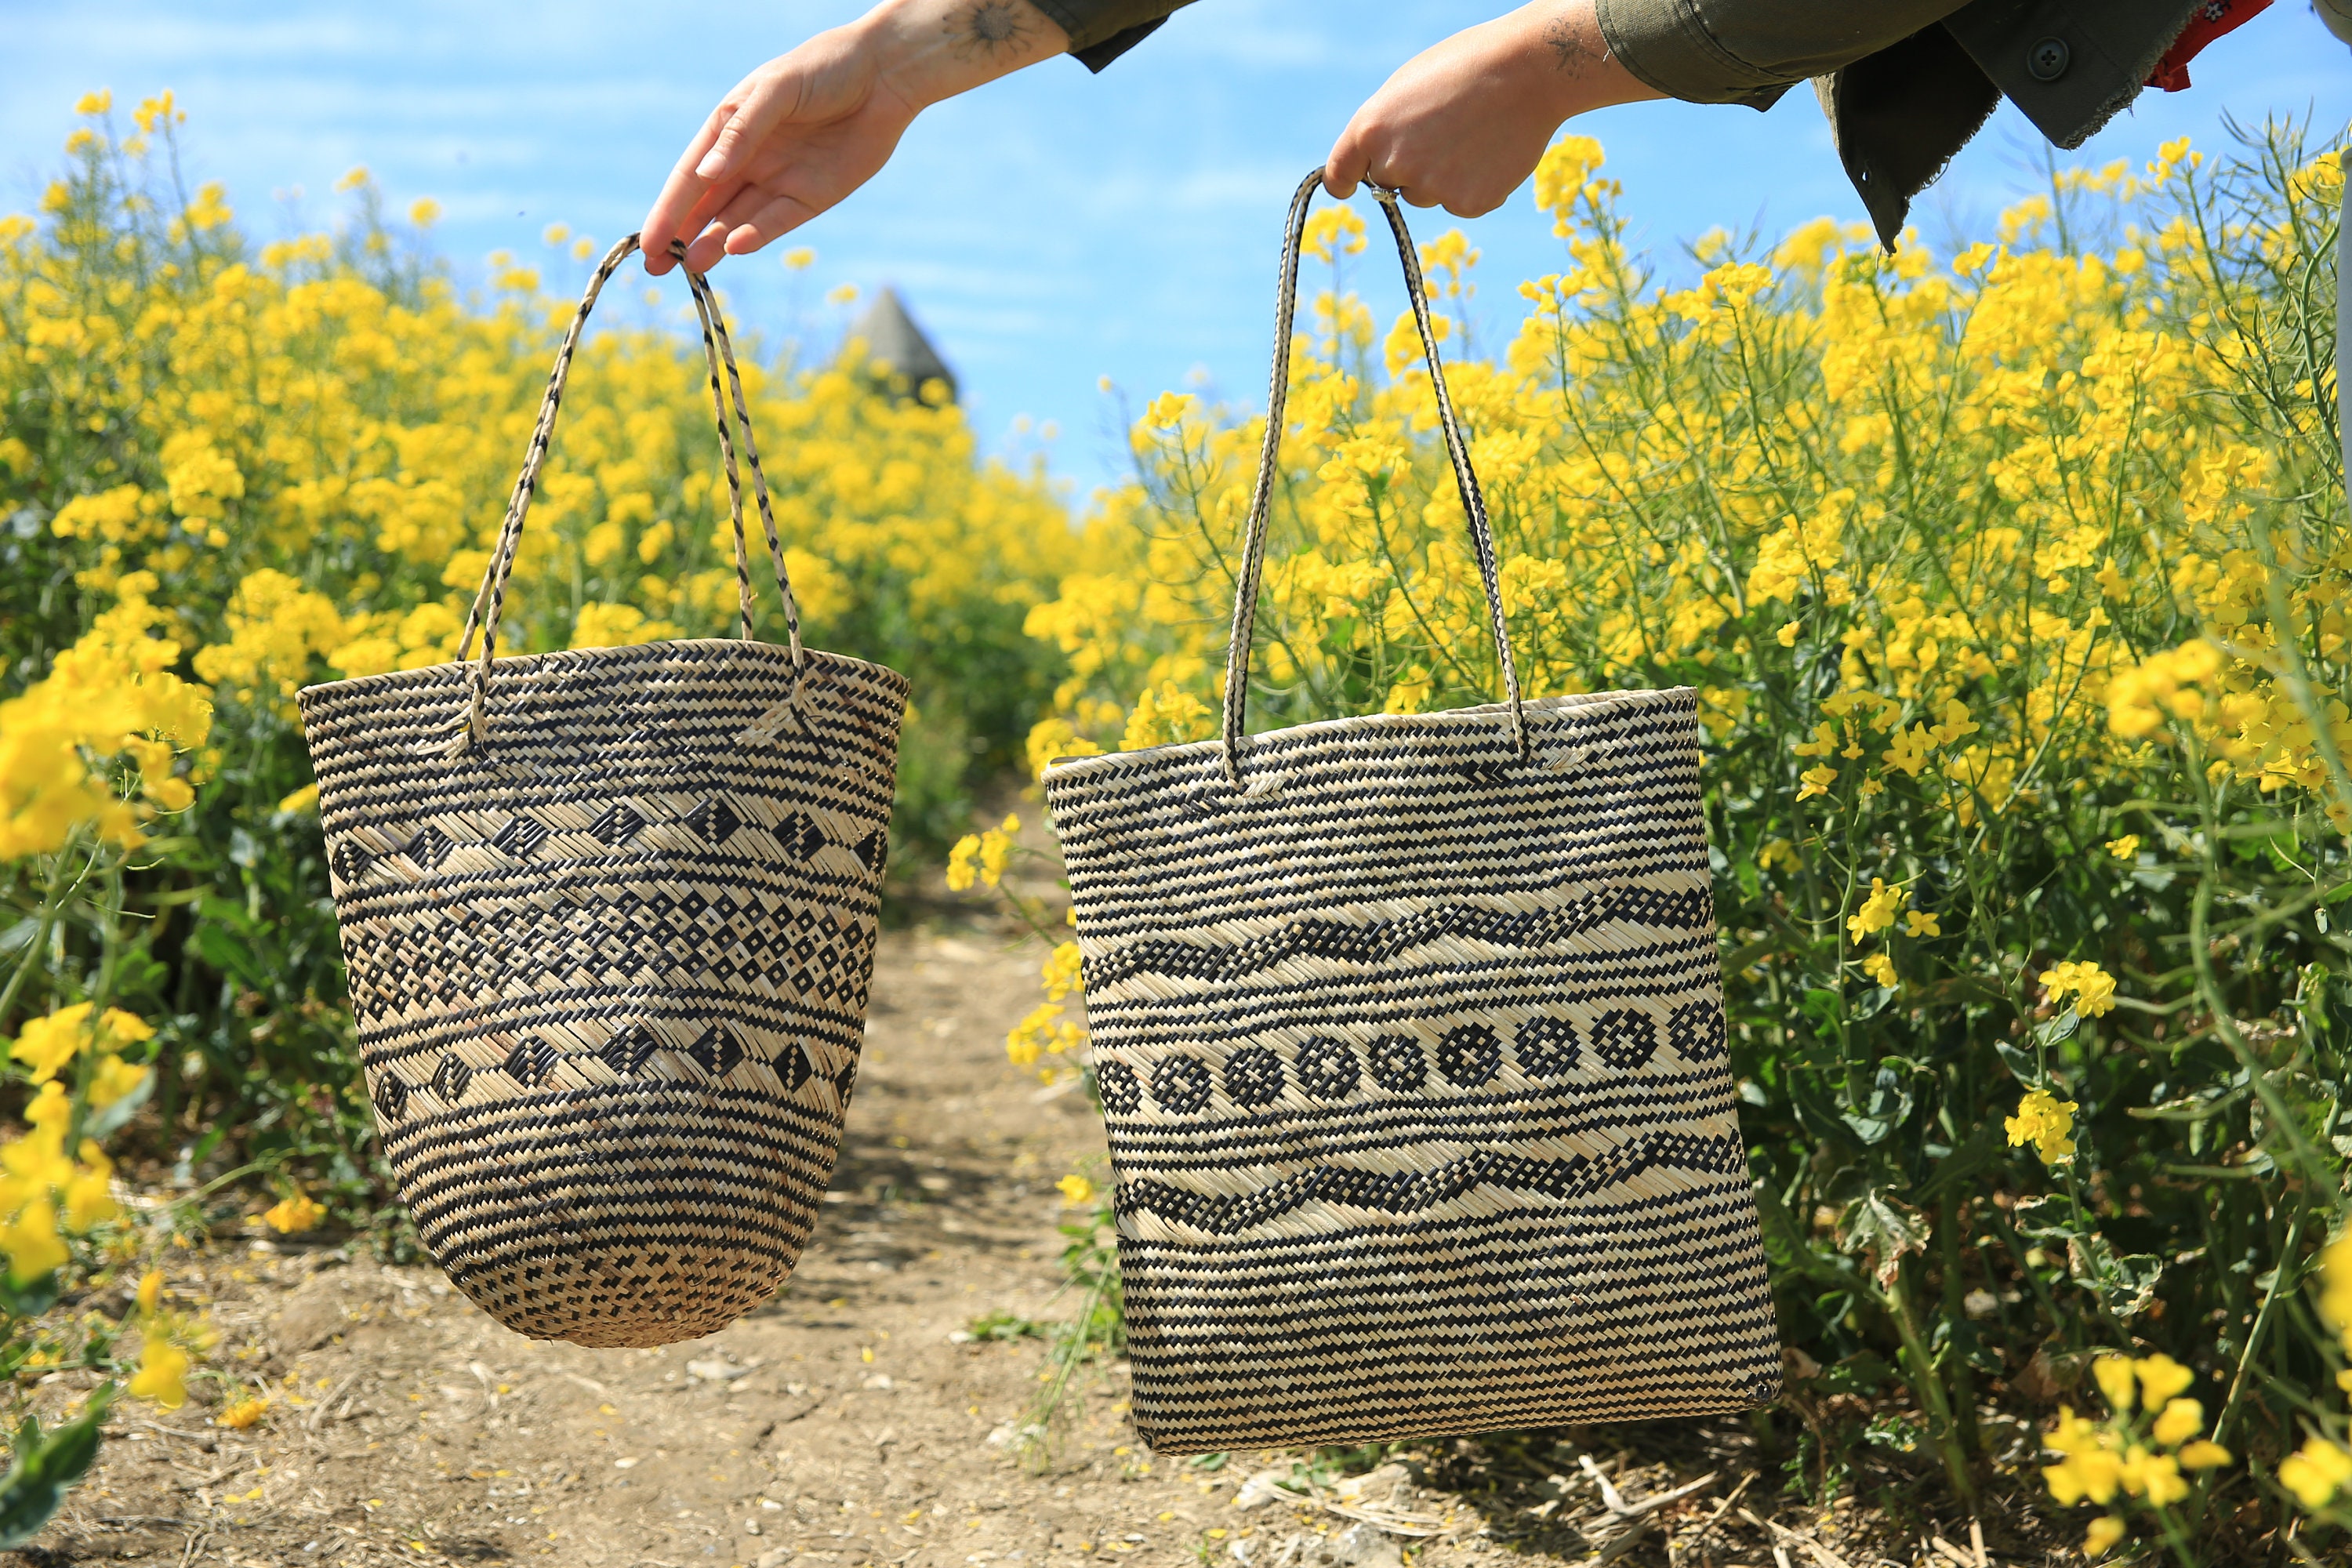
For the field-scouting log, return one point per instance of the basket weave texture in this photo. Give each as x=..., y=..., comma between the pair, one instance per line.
x=609, y=954
x=1410, y=1037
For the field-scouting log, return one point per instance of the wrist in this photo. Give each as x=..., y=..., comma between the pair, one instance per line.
x=1564, y=45
x=928, y=50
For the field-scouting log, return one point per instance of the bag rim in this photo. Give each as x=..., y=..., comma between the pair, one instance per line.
x=396, y=680
x=1076, y=769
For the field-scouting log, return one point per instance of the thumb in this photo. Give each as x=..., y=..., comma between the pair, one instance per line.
x=1346, y=166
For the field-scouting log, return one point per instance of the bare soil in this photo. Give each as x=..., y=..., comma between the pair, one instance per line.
x=855, y=1420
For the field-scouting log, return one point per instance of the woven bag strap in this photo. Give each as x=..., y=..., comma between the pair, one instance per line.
x=1474, y=504
x=718, y=353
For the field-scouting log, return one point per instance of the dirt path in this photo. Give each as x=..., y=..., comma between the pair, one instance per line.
x=852, y=1421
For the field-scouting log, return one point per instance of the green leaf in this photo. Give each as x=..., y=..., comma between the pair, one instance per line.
x=2057, y=1029
x=1819, y=1117
x=1884, y=1228
x=2126, y=1281
x=2023, y=1065
x=29, y=1300
x=46, y=1468
x=1888, y=1107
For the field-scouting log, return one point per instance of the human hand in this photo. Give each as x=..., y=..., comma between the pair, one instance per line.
x=804, y=131
x=1461, y=125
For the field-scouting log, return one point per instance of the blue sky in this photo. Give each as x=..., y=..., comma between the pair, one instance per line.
x=1049, y=230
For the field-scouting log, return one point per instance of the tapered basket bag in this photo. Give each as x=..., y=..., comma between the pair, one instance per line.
x=1408, y=1031
x=609, y=917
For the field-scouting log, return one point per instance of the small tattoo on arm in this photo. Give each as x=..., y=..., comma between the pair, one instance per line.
x=989, y=28
x=1569, y=53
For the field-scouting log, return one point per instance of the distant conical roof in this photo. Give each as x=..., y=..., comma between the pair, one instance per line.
x=895, y=343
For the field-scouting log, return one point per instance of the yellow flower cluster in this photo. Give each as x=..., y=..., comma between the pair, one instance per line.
x=982, y=857
x=307, y=451
x=2045, y=1121
x=111, y=697
x=47, y=1194
x=2093, y=988
x=2321, y=1469
x=2140, y=1452
x=297, y=1211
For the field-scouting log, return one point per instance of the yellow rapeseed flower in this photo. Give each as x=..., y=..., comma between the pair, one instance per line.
x=2093, y=988
x=1877, y=912
x=242, y=1415
x=162, y=1374
x=2316, y=1472
x=2101, y=1538
x=1076, y=1190
x=2047, y=1122
x=296, y=1212
x=2125, y=848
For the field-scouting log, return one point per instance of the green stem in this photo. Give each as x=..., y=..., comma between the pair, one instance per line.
x=1929, y=1386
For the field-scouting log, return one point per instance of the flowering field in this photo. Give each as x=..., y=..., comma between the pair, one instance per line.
x=2013, y=583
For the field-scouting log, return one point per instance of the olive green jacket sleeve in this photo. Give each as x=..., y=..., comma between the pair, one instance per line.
x=1905, y=82
x=1102, y=30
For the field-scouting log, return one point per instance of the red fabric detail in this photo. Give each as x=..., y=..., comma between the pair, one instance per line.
x=2213, y=18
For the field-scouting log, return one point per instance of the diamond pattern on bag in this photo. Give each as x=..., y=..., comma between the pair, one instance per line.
x=391, y=1096
x=714, y=820
x=519, y=837
x=620, y=823
x=629, y=1050
x=352, y=862
x=450, y=1079
x=531, y=1062
x=429, y=848
x=718, y=1052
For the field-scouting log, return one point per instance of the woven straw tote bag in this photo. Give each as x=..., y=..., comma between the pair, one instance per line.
x=1408, y=1031
x=610, y=917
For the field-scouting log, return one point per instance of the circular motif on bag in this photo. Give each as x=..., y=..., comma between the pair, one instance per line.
x=1547, y=1046
x=1625, y=1039
x=1328, y=1068
x=1696, y=1031
x=1254, y=1076
x=1181, y=1084
x=1120, y=1091
x=1399, y=1063
x=1470, y=1054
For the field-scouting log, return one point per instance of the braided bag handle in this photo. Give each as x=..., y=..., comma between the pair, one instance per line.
x=718, y=351
x=1474, y=504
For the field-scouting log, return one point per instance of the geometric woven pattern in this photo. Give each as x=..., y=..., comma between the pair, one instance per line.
x=1409, y=1033
x=1419, y=1111
x=609, y=917
x=610, y=965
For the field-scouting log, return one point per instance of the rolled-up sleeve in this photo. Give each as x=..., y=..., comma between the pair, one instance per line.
x=1748, y=51
x=1102, y=30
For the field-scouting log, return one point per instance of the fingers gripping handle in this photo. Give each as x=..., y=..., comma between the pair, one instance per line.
x=718, y=353
x=1457, y=450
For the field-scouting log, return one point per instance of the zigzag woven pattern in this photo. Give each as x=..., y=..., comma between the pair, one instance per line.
x=1412, y=1053
x=610, y=965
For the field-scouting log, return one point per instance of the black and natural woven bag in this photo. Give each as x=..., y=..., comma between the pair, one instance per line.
x=1410, y=1035
x=609, y=917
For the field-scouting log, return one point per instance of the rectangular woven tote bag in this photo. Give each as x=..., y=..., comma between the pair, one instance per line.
x=609, y=916
x=1408, y=1031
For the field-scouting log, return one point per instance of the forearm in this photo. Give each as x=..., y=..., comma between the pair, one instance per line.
x=1560, y=44
x=933, y=49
